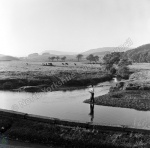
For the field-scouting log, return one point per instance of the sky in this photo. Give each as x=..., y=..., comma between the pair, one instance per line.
x=29, y=26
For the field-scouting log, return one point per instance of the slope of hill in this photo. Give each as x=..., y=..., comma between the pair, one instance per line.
x=98, y=50
x=1, y=55
x=106, y=49
x=55, y=52
x=101, y=53
x=8, y=58
x=32, y=55
x=139, y=54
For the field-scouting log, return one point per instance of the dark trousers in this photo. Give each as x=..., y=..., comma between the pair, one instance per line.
x=92, y=97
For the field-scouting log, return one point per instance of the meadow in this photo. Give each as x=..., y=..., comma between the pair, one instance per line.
x=14, y=75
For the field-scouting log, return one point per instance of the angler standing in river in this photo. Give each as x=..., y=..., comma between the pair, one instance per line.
x=91, y=90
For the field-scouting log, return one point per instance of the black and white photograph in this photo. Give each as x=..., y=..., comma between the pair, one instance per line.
x=74, y=73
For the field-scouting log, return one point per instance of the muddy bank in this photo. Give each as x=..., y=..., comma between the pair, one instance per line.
x=55, y=132
x=135, y=99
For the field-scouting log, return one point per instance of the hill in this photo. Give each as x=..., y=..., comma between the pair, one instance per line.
x=55, y=52
x=8, y=58
x=139, y=54
x=98, y=50
x=105, y=49
x=1, y=55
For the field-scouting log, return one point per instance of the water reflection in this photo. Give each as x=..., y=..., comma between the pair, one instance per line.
x=91, y=111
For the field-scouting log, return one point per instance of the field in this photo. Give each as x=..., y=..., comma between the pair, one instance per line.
x=140, y=66
x=14, y=75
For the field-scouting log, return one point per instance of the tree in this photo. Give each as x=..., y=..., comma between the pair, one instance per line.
x=112, y=58
x=79, y=57
x=112, y=70
x=90, y=57
x=96, y=58
x=124, y=62
x=57, y=58
x=123, y=72
x=49, y=58
x=108, y=66
x=63, y=58
x=52, y=58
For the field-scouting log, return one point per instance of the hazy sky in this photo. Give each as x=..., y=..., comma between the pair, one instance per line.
x=28, y=26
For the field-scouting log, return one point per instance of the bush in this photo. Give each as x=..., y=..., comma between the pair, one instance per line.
x=123, y=72
x=112, y=71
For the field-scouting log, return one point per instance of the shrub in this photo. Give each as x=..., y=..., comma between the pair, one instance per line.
x=123, y=72
x=112, y=71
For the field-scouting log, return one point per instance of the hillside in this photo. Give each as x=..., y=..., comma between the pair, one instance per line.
x=55, y=52
x=98, y=50
x=139, y=54
x=8, y=58
x=1, y=55
x=105, y=50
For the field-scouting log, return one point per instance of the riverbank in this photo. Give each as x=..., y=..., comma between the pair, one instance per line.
x=133, y=93
x=139, y=100
x=60, y=81
x=55, y=132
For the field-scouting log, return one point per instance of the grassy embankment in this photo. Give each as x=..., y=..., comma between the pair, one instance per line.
x=139, y=100
x=68, y=78
x=69, y=136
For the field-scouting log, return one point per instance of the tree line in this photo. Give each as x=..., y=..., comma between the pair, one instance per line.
x=90, y=58
x=57, y=58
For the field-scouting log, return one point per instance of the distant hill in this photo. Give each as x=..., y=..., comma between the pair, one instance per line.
x=70, y=56
x=101, y=53
x=55, y=52
x=44, y=57
x=139, y=54
x=98, y=50
x=104, y=50
x=33, y=55
x=1, y=55
x=8, y=58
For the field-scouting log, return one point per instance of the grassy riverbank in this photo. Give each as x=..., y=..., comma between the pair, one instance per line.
x=139, y=100
x=36, y=77
x=133, y=93
x=69, y=136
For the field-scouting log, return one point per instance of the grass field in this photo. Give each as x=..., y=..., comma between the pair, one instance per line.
x=17, y=74
x=140, y=66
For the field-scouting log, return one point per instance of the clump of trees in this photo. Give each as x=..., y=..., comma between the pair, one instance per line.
x=79, y=57
x=63, y=58
x=116, y=64
x=57, y=58
x=91, y=58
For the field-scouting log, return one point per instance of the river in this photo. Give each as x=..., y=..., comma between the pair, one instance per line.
x=69, y=105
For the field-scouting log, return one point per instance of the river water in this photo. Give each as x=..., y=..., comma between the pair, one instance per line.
x=69, y=105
